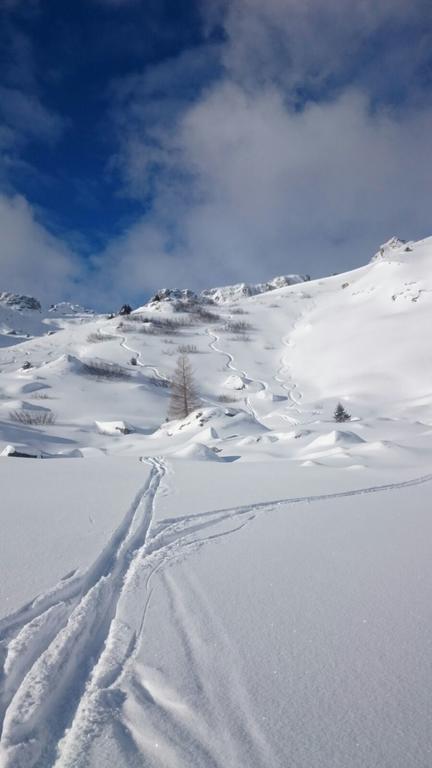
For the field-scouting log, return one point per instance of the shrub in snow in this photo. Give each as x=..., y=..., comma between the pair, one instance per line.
x=187, y=349
x=26, y=365
x=204, y=315
x=33, y=418
x=134, y=361
x=238, y=326
x=94, y=338
x=184, y=397
x=162, y=325
x=104, y=370
x=341, y=414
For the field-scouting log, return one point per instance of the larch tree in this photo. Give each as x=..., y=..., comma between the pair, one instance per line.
x=184, y=396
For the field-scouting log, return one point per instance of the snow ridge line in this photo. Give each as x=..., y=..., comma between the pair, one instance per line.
x=49, y=693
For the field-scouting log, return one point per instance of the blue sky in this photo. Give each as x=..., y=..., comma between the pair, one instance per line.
x=146, y=143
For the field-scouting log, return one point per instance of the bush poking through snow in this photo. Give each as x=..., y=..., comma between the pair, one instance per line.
x=161, y=325
x=341, y=414
x=33, y=418
x=238, y=326
x=203, y=314
x=95, y=338
x=187, y=349
x=126, y=309
x=101, y=369
x=184, y=396
x=226, y=399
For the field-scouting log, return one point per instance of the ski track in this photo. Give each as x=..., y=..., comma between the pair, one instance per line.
x=68, y=651
x=153, y=368
x=51, y=658
x=290, y=388
x=230, y=366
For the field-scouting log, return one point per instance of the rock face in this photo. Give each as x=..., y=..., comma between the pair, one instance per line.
x=185, y=297
x=67, y=309
x=233, y=292
x=21, y=303
x=388, y=250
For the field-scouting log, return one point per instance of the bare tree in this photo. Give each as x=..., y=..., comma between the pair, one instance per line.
x=184, y=396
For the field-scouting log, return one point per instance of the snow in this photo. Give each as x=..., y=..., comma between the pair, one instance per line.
x=249, y=585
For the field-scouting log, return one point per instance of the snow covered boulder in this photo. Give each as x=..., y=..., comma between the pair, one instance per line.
x=234, y=382
x=11, y=451
x=114, y=428
x=197, y=452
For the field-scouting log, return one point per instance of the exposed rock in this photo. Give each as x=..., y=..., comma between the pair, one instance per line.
x=19, y=302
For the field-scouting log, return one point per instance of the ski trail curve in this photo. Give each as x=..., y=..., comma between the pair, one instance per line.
x=138, y=355
x=230, y=366
x=286, y=381
x=40, y=706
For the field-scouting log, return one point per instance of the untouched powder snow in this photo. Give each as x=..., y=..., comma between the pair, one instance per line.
x=249, y=585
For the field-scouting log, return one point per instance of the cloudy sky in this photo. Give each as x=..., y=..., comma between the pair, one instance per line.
x=150, y=143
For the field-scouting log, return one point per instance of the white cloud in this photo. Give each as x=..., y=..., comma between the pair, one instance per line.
x=271, y=190
x=32, y=259
x=302, y=43
x=27, y=117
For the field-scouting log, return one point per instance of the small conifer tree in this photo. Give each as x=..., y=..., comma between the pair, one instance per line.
x=184, y=396
x=341, y=414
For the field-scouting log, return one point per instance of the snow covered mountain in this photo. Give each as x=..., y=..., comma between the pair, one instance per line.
x=165, y=583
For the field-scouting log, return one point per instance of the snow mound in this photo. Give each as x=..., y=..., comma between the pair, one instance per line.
x=64, y=364
x=196, y=451
x=114, y=428
x=269, y=397
x=210, y=433
x=234, y=382
x=336, y=437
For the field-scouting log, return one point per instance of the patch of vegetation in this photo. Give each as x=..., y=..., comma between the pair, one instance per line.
x=33, y=418
x=238, y=326
x=103, y=370
x=187, y=349
x=95, y=338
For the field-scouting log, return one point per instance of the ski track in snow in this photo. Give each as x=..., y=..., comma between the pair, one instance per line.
x=66, y=653
x=124, y=344
x=290, y=387
x=52, y=656
x=230, y=366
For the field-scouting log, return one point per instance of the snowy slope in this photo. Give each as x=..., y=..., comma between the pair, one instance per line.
x=247, y=586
